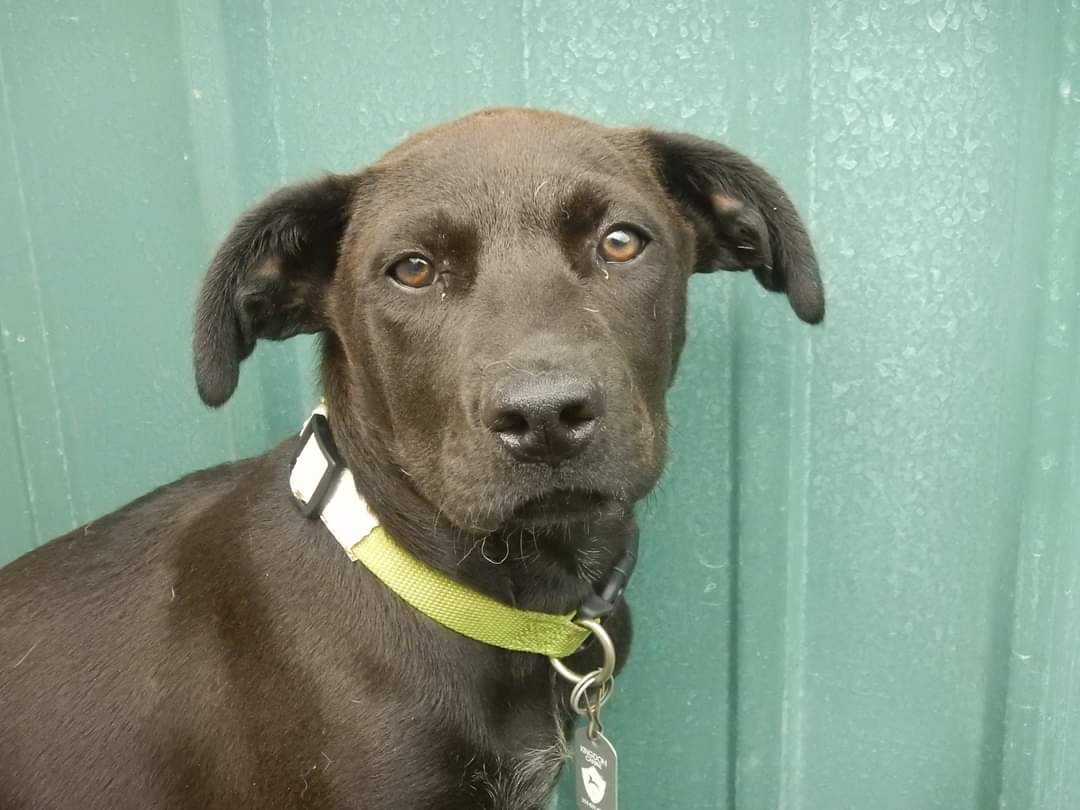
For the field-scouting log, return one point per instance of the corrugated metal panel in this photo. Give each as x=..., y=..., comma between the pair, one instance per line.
x=862, y=572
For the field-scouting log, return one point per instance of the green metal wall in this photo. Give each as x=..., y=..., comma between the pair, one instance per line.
x=861, y=581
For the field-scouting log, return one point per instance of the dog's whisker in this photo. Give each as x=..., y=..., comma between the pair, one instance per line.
x=26, y=655
x=484, y=554
x=472, y=548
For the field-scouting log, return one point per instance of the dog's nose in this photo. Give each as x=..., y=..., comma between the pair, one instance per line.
x=544, y=420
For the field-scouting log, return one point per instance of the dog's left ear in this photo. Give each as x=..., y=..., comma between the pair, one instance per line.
x=269, y=279
x=742, y=218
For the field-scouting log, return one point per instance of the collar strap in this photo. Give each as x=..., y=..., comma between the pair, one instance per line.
x=323, y=487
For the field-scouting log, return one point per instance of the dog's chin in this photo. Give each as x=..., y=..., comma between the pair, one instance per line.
x=554, y=508
x=560, y=507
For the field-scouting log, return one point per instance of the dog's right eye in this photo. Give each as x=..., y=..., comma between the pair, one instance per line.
x=414, y=272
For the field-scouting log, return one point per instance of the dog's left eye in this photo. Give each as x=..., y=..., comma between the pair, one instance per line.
x=621, y=244
x=414, y=272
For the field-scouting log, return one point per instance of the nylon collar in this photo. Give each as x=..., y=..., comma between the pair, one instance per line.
x=323, y=487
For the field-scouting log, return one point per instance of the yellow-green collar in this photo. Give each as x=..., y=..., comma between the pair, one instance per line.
x=323, y=487
x=462, y=609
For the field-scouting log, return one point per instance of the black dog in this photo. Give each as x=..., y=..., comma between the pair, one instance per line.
x=501, y=302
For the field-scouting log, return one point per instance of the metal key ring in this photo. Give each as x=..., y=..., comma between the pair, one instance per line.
x=607, y=669
x=580, y=691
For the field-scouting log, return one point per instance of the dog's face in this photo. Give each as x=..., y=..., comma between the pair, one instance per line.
x=503, y=300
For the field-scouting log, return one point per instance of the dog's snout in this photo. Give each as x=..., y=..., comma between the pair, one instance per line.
x=540, y=419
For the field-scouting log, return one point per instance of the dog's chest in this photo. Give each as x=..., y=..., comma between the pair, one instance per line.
x=520, y=782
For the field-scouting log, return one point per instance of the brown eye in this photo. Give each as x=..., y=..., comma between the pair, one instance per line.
x=621, y=245
x=414, y=272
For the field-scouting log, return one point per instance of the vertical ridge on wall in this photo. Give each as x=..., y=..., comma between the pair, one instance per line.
x=24, y=333
x=273, y=89
x=16, y=501
x=276, y=365
x=524, y=22
x=792, y=729
x=734, y=537
x=202, y=46
x=1038, y=57
x=235, y=59
x=797, y=535
x=1041, y=740
x=770, y=383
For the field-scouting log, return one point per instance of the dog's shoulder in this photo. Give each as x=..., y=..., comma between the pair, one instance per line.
x=143, y=535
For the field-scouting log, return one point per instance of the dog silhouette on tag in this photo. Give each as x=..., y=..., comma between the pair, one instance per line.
x=595, y=785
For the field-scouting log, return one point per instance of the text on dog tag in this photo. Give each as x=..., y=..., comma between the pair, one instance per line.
x=596, y=767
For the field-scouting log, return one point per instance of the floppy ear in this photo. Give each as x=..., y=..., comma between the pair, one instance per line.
x=268, y=279
x=742, y=218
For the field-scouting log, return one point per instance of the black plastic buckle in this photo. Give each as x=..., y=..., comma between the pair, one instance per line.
x=319, y=427
x=603, y=601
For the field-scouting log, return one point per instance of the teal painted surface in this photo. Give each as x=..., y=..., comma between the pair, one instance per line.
x=861, y=577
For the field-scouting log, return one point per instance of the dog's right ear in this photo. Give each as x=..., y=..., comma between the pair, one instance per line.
x=269, y=279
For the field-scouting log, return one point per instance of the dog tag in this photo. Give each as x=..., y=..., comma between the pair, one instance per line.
x=596, y=767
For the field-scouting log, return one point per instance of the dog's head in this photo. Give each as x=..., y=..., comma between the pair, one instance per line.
x=503, y=300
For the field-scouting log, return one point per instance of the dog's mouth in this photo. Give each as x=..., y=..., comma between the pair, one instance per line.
x=563, y=506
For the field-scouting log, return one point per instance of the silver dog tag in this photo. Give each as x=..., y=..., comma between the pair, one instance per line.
x=596, y=767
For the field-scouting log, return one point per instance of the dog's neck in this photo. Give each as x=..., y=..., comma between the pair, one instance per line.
x=548, y=569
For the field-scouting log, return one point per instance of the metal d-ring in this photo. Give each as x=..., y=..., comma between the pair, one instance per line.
x=600, y=676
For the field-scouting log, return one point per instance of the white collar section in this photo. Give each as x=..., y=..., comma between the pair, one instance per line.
x=323, y=485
